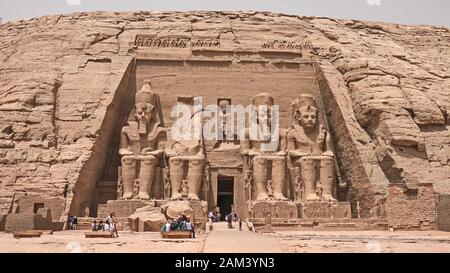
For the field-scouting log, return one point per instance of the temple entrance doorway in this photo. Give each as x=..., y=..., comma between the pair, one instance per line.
x=225, y=195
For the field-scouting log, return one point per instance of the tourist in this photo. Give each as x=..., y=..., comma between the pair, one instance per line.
x=75, y=222
x=240, y=224
x=94, y=226
x=190, y=227
x=106, y=227
x=218, y=216
x=229, y=219
x=166, y=226
x=100, y=225
x=110, y=219
x=113, y=229
x=212, y=216
x=70, y=221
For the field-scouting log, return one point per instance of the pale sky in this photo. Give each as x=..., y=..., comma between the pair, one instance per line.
x=430, y=12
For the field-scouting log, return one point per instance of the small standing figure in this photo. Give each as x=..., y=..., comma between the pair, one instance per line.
x=167, y=185
x=270, y=189
x=298, y=184
x=248, y=185
x=185, y=189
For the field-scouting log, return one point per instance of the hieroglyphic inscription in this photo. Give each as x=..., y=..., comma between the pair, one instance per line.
x=174, y=42
x=286, y=45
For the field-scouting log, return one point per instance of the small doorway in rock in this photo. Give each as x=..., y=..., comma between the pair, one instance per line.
x=225, y=195
x=37, y=206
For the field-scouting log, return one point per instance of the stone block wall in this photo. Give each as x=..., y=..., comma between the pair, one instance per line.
x=444, y=213
x=55, y=204
x=412, y=209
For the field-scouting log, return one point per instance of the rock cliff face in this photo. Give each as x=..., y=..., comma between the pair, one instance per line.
x=65, y=82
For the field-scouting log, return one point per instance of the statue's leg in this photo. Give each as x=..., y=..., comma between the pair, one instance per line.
x=308, y=170
x=195, y=177
x=176, y=176
x=260, y=177
x=146, y=175
x=327, y=178
x=128, y=176
x=279, y=178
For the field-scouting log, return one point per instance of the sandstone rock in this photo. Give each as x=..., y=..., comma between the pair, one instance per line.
x=147, y=219
x=65, y=80
x=175, y=208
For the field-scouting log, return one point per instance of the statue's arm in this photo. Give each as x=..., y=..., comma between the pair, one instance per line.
x=283, y=141
x=124, y=143
x=245, y=143
x=329, y=149
x=293, y=151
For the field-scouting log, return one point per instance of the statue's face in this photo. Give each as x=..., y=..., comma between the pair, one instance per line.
x=143, y=112
x=223, y=105
x=308, y=119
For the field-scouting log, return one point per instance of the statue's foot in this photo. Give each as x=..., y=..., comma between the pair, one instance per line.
x=312, y=197
x=143, y=195
x=127, y=195
x=193, y=196
x=328, y=197
x=279, y=196
x=176, y=196
x=262, y=197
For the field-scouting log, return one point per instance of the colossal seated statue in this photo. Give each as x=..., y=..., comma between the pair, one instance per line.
x=186, y=162
x=141, y=144
x=309, y=148
x=257, y=159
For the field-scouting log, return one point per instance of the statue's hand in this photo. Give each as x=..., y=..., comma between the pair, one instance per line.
x=328, y=153
x=281, y=153
x=297, y=153
x=253, y=153
x=244, y=152
x=154, y=153
x=124, y=151
x=147, y=150
x=171, y=153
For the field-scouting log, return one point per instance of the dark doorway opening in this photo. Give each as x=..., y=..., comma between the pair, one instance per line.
x=37, y=206
x=225, y=195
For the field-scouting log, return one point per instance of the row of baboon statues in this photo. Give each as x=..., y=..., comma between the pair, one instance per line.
x=303, y=153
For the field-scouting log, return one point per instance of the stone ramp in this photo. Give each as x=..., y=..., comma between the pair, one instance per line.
x=224, y=240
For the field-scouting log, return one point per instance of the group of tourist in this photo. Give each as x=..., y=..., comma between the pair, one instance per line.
x=181, y=223
x=109, y=225
x=214, y=216
x=72, y=222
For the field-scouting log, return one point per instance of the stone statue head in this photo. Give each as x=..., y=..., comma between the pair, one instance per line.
x=145, y=106
x=223, y=103
x=263, y=99
x=305, y=111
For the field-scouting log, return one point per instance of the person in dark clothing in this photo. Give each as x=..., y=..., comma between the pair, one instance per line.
x=240, y=224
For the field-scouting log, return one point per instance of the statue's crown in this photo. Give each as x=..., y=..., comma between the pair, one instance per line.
x=145, y=94
x=262, y=98
x=305, y=100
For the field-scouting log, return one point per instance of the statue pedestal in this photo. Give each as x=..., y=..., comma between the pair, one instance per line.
x=123, y=208
x=277, y=209
x=324, y=209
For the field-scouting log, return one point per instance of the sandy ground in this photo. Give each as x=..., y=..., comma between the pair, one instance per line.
x=74, y=241
x=224, y=240
x=363, y=241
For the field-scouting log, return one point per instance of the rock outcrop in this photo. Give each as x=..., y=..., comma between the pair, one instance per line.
x=65, y=81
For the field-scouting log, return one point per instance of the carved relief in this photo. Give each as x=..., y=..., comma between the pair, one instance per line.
x=174, y=42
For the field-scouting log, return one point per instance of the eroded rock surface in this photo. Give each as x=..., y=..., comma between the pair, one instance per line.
x=387, y=87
